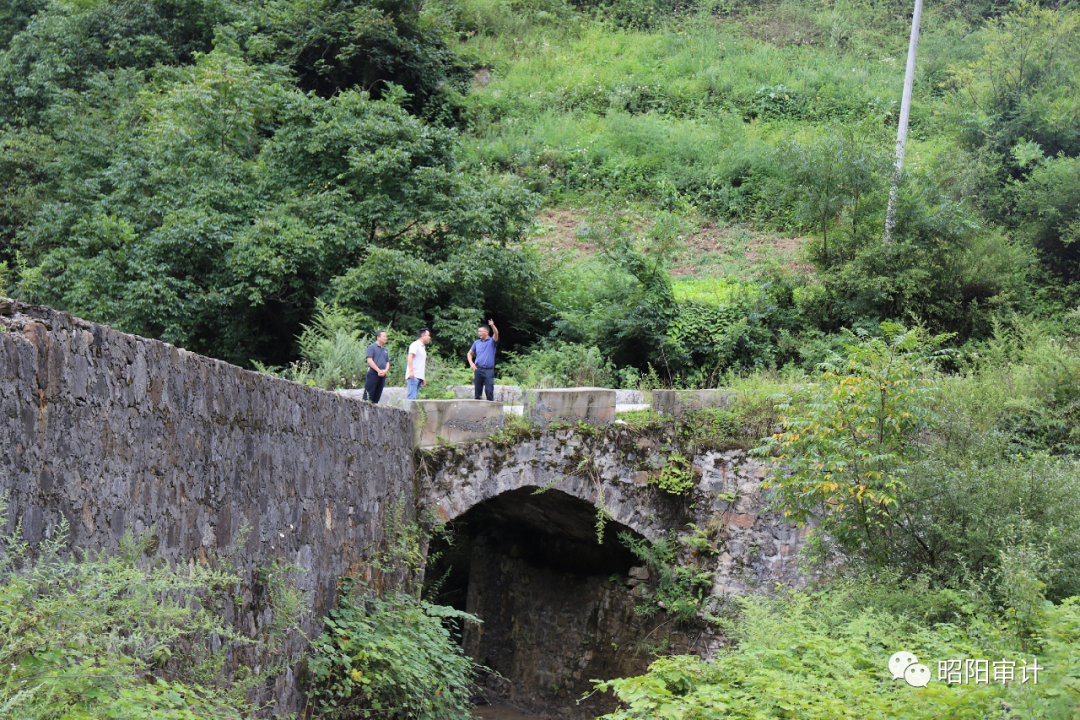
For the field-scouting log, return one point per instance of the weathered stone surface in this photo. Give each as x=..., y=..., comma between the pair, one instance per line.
x=592, y=405
x=509, y=394
x=631, y=397
x=115, y=431
x=762, y=550
x=391, y=396
x=677, y=402
x=441, y=422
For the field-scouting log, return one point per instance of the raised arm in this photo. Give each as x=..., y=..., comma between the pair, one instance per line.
x=494, y=331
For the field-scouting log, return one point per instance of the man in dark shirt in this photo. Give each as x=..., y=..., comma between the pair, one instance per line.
x=378, y=361
x=484, y=366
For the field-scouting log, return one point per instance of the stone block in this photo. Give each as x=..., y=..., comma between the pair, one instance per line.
x=508, y=394
x=678, y=402
x=391, y=396
x=631, y=397
x=743, y=520
x=592, y=405
x=440, y=422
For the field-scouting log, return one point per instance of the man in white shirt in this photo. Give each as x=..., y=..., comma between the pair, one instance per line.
x=417, y=364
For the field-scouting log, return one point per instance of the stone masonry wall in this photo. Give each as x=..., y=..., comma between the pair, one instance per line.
x=118, y=432
x=755, y=548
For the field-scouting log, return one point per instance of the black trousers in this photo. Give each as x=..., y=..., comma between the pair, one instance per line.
x=484, y=381
x=373, y=385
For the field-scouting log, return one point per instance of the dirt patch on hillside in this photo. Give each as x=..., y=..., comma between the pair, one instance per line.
x=710, y=249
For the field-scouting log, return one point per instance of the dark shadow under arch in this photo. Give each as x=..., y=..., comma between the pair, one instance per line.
x=548, y=529
x=556, y=607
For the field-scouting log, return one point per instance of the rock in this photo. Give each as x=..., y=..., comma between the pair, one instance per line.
x=743, y=520
x=639, y=573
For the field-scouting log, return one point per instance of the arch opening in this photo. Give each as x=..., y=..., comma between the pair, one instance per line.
x=556, y=608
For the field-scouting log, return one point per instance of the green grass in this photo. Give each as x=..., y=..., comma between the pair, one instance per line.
x=711, y=290
x=580, y=107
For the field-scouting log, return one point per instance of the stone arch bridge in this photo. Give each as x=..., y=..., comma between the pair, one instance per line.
x=114, y=432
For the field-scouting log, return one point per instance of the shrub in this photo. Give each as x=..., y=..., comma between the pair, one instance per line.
x=1022, y=381
x=961, y=509
x=123, y=636
x=815, y=655
x=390, y=657
x=561, y=364
x=940, y=267
x=678, y=588
x=333, y=351
x=623, y=301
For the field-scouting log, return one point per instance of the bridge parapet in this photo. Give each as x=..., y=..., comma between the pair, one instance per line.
x=678, y=402
x=592, y=405
x=440, y=422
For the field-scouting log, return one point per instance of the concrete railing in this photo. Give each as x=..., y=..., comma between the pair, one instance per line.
x=463, y=419
x=678, y=402
x=595, y=406
x=441, y=422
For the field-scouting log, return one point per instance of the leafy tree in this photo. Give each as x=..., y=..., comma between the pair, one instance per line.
x=378, y=46
x=239, y=200
x=830, y=176
x=66, y=45
x=847, y=438
x=14, y=16
x=1025, y=85
x=1048, y=213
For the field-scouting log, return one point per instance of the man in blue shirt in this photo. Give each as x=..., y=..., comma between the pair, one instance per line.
x=484, y=365
x=378, y=362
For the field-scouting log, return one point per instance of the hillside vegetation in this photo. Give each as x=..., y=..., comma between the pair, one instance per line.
x=205, y=173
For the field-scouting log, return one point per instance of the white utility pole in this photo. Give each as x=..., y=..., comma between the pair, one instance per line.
x=905, y=111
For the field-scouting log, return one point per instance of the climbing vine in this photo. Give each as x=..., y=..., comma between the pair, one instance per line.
x=680, y=589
